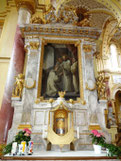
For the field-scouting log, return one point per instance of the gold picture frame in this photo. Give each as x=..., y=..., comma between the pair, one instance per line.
x=76, y=43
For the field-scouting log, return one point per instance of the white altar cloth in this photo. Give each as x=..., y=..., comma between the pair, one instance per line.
x=57, y=155
x=64, y=154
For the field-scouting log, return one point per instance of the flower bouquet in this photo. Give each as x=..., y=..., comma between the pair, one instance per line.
x=23, y=135
x=97, y=138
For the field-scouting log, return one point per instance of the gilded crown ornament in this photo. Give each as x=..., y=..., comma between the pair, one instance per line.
x=61, y=94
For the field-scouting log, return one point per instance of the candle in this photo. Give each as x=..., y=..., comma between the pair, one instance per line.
x=77, y=132
x=14, y=148
x=23, y=147
x=43, y=134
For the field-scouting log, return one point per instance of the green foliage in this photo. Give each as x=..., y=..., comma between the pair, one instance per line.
x=7, y=148
x=21, y=136
x=113, y=150
x=97, y=140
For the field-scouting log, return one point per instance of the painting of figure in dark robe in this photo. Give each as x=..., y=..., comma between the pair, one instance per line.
x=60, y=71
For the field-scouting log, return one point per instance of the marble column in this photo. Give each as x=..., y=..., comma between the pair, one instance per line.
x=24, y=16
x=16, y=67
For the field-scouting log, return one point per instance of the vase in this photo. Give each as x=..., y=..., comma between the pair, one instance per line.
x=97, y=149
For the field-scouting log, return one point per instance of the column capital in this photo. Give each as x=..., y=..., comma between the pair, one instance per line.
x=28, y=4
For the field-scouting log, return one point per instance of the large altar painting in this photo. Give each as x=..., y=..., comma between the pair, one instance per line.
x=60, y=71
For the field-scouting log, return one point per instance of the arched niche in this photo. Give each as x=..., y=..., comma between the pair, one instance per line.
x=118, y=108
x=116, y=101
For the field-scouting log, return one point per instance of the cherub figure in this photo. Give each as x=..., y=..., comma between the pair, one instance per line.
x=18, y=85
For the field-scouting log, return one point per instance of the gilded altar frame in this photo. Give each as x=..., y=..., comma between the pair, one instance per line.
x=77, y=44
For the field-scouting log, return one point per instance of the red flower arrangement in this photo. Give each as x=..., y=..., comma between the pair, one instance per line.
x=27, y=132
x=97, y=138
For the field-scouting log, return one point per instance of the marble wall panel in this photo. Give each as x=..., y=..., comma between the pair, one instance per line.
x=39, y=118
x=80, y=118
x=29, y=95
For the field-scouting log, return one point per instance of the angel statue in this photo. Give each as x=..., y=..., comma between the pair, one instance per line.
x=18, y=85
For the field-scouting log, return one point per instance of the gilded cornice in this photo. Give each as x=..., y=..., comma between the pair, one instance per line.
x=71, y=31
x=29, y=4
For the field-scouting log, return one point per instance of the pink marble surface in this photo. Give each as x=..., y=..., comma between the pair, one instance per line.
x=15, y=67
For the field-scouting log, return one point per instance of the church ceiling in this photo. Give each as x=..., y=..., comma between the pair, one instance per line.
x=97, y=18
x=88, y=4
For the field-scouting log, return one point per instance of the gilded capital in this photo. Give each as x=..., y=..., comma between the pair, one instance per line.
x=28, y=4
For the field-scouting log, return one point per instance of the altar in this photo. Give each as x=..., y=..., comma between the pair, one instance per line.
x=58, y=96
x=70, y=155
x=40, y=94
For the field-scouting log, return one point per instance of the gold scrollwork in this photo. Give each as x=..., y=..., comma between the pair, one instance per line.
x=87, y=48
x=101, y=86
x=34, y=45
x=36, y=20
x=66, y=15
x=90, y=89
x=30, y=87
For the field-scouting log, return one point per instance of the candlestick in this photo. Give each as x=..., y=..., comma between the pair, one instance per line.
x=77, y=132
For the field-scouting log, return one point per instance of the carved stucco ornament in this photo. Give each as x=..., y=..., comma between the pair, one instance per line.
x=36, y=20
x=34, y=45
x=90, y=85
x=29, y=83
x=101, y=86
x=65, y=15
x=87, y=48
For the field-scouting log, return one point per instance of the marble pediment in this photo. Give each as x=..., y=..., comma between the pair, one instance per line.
x=52, y=105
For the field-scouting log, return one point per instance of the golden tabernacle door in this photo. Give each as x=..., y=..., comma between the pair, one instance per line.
x=60, y=126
